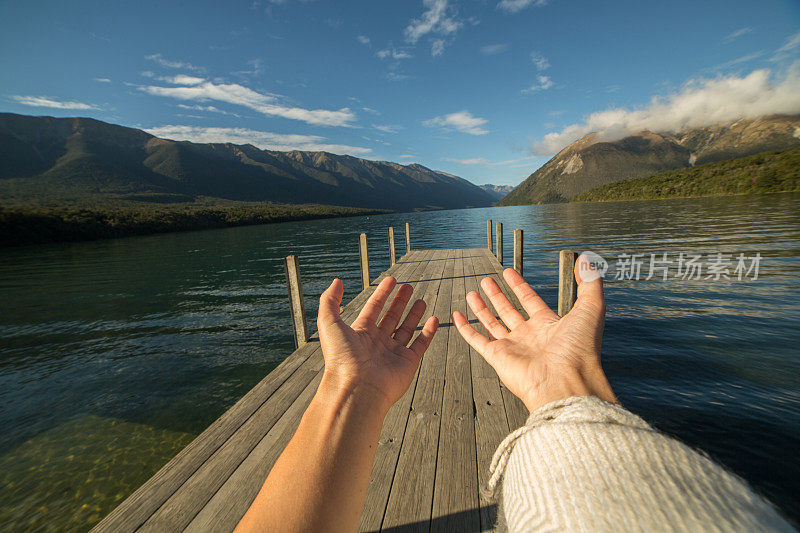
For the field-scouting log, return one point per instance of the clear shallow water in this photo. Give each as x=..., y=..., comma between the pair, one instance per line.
x=114, y=354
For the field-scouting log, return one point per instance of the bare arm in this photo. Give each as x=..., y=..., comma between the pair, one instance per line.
x=320, y=480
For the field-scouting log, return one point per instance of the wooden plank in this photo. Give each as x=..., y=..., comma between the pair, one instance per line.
x=518, y=250
x=455, y=497
x=394, y=426
x=296, y=305
x=408, y=237
x=491, y=421
x=499, y=246
x=232, y=500
x=362, y=249
x=411, y=495
x=392, y=258
x=489, y=233
x=567, y=286
x=145, y=501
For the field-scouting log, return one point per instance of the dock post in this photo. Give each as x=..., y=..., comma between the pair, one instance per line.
x=296, y=304
x=392, y=258
x=567, y=286
x=489, y=234
x=518, y=250
x=408, y=238
x=362, y=248
x=499, y=245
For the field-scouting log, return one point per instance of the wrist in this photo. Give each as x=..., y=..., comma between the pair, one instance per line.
x=340, y=391
x=566, y=383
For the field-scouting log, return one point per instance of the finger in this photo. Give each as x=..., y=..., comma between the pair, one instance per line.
x=371, y=310
x=473, y=338
x=590, y=285
x=504, y=308
x=424, y=339
x=531, y=302
x=486, y=317
x=406, y=329
x=392, y=316
x=329, y=302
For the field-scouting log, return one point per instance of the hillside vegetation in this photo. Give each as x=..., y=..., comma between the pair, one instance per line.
x=768, y=172
x=592, y=161
x=20, y=224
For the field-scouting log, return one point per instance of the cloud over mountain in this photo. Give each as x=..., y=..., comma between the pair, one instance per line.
x=700, y=103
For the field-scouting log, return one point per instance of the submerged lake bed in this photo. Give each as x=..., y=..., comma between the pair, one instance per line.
x=115, y=354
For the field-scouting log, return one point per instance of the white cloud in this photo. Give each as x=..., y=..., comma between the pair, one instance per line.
x=437, y=47
x=395, y=76
x=159, y=59
x=433, y=20
x=539, y=60
x=392, y=53
x=542, y=84
x=370, y=110
x=261, y=139
x=266, y=104
x=406, y=156
x=102, y=80
x=471, y=161
x=736, y=34
x=515, y=6
x=182, y=79
x=738, y=60
x=46, y=101
x=492, y=49
x=699, y=103
x=387, y=128
x=462, y=121
x=209, y=108
x=363, y=39
x=788, y=48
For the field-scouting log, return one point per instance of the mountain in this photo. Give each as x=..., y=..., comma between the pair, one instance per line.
x=497, y=191
x=590, y=162
x=50, y=160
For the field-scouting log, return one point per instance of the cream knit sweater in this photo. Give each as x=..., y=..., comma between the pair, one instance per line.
x=582, y=464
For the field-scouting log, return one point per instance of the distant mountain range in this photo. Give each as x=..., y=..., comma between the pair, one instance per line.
x=497, y=191
x=591, y=162
x=50, y=161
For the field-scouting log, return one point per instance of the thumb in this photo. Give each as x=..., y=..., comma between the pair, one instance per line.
x=590, y=285
x=329, y=302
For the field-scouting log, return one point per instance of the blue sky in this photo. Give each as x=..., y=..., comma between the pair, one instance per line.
x=486, y=90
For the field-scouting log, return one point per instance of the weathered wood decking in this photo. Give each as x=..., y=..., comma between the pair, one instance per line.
x=434, y=450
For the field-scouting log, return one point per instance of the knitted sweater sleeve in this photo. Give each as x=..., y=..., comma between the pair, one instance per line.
x=582, y=464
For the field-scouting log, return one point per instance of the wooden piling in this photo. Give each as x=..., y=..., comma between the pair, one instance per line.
x=296, y=304
x=518, y=250
x=499, y=245
x=489, y=233
x=408, y=238
x=392, y=257
x=567, y=286
x=362, y=248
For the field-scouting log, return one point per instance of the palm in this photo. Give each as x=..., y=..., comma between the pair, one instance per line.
x=370, y=353
x=530, y=354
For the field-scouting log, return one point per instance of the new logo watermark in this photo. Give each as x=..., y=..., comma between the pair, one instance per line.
x=714, y=266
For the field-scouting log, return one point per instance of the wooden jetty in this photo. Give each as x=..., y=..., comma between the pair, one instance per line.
x=436, y=444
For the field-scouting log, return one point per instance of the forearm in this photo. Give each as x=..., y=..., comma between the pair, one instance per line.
x=320, y=480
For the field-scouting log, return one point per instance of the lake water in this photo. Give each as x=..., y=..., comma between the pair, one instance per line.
x=115, y=354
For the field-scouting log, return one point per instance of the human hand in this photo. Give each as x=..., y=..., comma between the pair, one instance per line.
x=372, y=357
x=544, y=358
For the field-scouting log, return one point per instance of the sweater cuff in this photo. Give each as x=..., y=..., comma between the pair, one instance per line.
x=574, y=410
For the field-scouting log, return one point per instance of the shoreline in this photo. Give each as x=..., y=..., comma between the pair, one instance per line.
x=22, y=225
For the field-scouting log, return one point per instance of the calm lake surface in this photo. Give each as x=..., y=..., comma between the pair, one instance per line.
x=115, y=354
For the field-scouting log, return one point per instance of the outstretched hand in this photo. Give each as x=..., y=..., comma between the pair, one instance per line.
x=371, y=356
x=544, y=358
